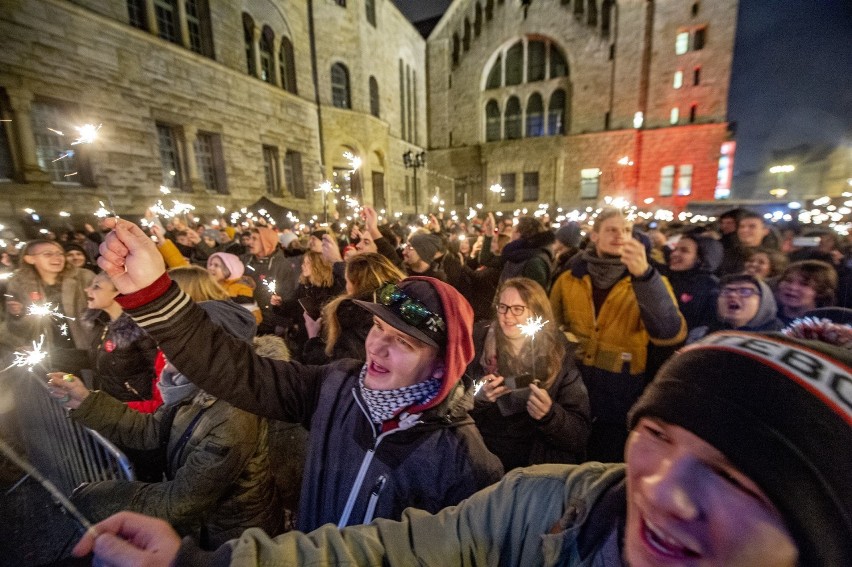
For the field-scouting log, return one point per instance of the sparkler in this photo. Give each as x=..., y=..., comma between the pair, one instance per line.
x=63, y=501
x=530, y=329
x=88, y=133
x=271, y=285
x=354, y=161
x=29, y=358
x=46, y=310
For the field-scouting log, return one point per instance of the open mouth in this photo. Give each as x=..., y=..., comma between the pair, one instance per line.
x=374, y=368
x=667, y=545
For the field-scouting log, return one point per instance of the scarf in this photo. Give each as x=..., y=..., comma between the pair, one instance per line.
x=605, y=272
x=383, y=405
x=175, y=387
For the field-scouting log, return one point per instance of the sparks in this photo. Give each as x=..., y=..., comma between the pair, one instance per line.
x=165, y=190
x=88, y=134
x=354, y=161
x=102, y=211
x=532, y=326
x=63, y=328
x=46, y=310
x=28, y=358
x=271, y=285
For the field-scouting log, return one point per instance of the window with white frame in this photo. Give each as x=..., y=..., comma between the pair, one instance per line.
x=293, y=174
x=678, y=80
x=209, y=161
x=682, y=43
x=168, y=138
x=674, y=116
x=340, y=86
x=684, y=180
x=667, y=180
x=270, y=171
x=590, y=179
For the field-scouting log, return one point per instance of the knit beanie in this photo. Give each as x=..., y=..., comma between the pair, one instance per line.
x=450, y=328
x=213, y=235
x=426, y=245
x=780, y=409
x=268, y=240
x=569, y=234
x=235, y=267
x=285, y=238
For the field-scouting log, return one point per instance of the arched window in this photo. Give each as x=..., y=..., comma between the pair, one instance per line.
x=512, y=119
x=477, y=20
x=374, y=97
x=456, y=49
x=558, y=66
x=536, y=61
x=535, y=116
x=466, y=35
x=489, y=10
x=592, y=13
x=495, y=75
x=267, y=37
x=492, y=121
x=287, y=64
x=248, y=38
x=515, y=64
x=340, y=86
x=556, y=113
x=606, y=14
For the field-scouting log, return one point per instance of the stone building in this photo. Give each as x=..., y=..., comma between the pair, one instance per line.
x=228, y=101
x=567, y=101
x=221, y=101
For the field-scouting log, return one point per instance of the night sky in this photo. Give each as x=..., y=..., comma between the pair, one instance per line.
x=791, y=80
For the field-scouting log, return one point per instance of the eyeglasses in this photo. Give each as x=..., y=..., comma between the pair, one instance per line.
x=517, y=310
x=409, y=309
x=50, y=254
x=743, y=292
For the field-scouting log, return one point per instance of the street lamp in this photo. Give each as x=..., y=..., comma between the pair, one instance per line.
x=414, y=161
x=780, y=170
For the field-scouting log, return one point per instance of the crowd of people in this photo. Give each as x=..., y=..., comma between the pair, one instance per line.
x=428, y=367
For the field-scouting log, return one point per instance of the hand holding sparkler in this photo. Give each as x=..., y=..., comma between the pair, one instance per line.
x=330, y=251
x=67, y=389
x=129, y=257
x=127, y=539
x=493, y=387
x=539, y=402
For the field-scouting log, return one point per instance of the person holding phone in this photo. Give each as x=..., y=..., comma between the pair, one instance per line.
x=616, y=304
x=528, y=413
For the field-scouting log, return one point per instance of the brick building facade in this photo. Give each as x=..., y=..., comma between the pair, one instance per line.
x=561, y=101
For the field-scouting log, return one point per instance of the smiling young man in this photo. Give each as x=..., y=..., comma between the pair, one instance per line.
x=738, y=456
x=386, y=433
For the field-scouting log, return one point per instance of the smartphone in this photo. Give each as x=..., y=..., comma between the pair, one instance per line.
x=519, y=381
x=311, y=307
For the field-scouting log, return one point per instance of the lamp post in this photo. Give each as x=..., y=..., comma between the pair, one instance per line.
x=780, y=170
x=414, y=161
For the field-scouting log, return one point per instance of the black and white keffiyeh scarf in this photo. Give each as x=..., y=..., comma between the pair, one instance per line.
x=383, y=405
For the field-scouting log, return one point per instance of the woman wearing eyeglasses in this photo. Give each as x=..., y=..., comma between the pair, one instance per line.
x=45, y=277
x=546, y=422
x=745, y=303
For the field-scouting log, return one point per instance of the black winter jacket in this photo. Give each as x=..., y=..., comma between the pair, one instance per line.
x=354, y=472
x=122, y=355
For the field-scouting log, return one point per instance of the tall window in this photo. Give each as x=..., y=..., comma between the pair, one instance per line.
x=287, y=64
x=402, y=112
x=693, y=113
x=7, y=166
x=515, y=64
x=556, y=113
x=270, y=171
x=489, y=10
x=477, y=20
x=681, y=43
x=696, y=76
x=248, y=40
x=374, y=97
x=466, y=35
x=379, y=201
x=678, y=80
x=530, y=186
x=512, y=120
x=53, y=151
x=340, y=86
x=265, y=45
x=370, y=8
x=590, y=180
x=168, y=22
x=492, y=121
x=606, y=14
x=690, y=40
x=198, y=24
x=170, y=157
x=667, y=180
x=495, y=75
x=536, y=61
x=456, y=49
x=684, y=180
x=137, y=15
x=674, y=115
x=508, y=181
x=460, y=191
x=293, y=174
x=535, y=116
x=208, y=159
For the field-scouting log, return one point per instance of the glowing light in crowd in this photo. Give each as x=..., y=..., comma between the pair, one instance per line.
x=46, y=310
x=354, y=161
x=271, y=285
x=88, y=134
x=28, y=358
x=102, y=211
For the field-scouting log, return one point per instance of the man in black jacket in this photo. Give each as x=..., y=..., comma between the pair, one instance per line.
x=385, y=435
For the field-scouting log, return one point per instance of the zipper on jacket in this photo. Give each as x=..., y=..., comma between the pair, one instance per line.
x=374, y=499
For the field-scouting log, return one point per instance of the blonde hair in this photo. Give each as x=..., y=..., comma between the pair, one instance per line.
x=549, y=346
x=366, y=273
x=321, y=274
x=30, y=268
x=197, y=283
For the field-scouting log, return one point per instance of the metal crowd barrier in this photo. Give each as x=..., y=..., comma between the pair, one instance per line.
x=65, y=452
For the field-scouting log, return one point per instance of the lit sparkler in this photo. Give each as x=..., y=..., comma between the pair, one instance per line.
x=354, y=161
x=271, y=285
x=46, y=310
x=530, y=329
x=102, y=211
x=29, y=358
x=88, y=134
